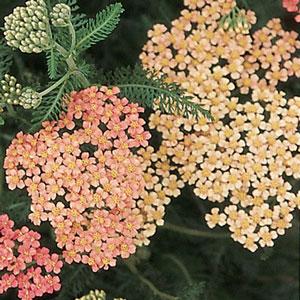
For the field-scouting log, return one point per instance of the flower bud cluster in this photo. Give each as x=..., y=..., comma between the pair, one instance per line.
x=24, y=264
x=27, y=27
x=96, y=295
x=236, y=21
x=30, y=98
x=10, y=90
x=12, y=93
x=60, y=15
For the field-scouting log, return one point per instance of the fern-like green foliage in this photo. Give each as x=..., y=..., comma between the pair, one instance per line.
x=17, y=207
x=193, y=291
x=143, y=87
x=5, y=58
x=77, y=279
x=98, y=29
x=52, y=105
x=52, y=63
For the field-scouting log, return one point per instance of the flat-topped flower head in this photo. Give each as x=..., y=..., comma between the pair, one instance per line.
x=83, y=176
x=244, y=157
x=24, y=264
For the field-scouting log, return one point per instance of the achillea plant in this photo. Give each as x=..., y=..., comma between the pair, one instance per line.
x=83, y=176
x=24, y=264
x=243, y=158
x=84, y=170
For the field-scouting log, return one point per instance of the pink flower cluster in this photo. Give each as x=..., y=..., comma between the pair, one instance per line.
x=83, y=176
x=26, y=265
x=292, y=6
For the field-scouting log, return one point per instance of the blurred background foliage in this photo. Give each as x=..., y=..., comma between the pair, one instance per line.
x=189, y=267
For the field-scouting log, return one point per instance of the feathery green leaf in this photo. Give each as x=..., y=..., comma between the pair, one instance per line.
x=5, y=58
x=143, y=87
x=18, y=207
x=77, y=279
x=100, y=28
x=52, y=63
x=193, y=291
x=53, y=104
x=51, y=107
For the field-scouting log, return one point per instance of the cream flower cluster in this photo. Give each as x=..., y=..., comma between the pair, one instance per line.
x=11, y=92
x=60, y=15
x=27, y=27
x=248, y=157
x=83, y=176
x=96, y=295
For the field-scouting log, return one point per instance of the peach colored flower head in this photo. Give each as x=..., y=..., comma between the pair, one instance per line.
x=244, y=157
x=83, y=176
x=24, y=264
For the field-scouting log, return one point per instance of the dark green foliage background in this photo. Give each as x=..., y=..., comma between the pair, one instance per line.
x=220, y=269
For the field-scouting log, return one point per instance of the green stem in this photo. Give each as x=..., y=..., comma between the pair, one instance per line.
x=15, y=205
x=6, y=137
x=72, y=64
x=194, y=232
x=81, y=77
x=11, y=110
x=55, y=85
x=150, y=285
x=57, y=98
x=73, y=35
x=61, y=49
x=182, y=267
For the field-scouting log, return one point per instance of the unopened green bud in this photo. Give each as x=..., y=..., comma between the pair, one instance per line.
x=96, y=295
x=24, y=24
x=60, y=15
x=235, y=21
x=226, y=25
x=30, y=98
x=10, y=90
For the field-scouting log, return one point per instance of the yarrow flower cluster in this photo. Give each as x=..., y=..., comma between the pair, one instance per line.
x=292, y=6
x=27, y=28
x=96, y=295
x=11, y=92
x=248, y=157
x=83, y=176
x=25, y=264
x=60, y=15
